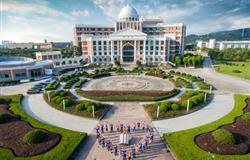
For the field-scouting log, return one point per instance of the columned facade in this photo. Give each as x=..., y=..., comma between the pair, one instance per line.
x=152, y=41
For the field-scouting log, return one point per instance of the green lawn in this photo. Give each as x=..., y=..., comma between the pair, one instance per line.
x=184, y=147
x=239, y=69
x=69, y=140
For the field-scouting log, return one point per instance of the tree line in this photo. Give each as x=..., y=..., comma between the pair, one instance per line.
x=188, y=59
x=237, y=54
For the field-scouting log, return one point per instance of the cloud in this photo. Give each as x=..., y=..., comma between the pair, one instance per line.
x=80, y=13
x=36, y=7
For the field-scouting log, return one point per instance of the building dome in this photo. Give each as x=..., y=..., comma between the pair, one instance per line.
x=128, y=13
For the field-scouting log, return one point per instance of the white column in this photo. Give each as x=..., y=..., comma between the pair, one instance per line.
x=154, y=51
x=144, y=51
x=134, y=51
x=121, y=54
x=168, y=53
x=12, y=75
x=164, y=51
x=112, y=51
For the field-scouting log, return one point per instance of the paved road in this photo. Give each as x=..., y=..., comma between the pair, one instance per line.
x=35, y=106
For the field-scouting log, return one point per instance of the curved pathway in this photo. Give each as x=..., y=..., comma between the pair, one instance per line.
x=217, y=108
x=35, y=106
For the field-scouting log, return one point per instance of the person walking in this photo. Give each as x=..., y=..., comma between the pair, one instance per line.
x=106, y=127
x=133, y=152
x=138, y=125
x=102, y=128
x=129, y=156
x=143, y=125
x=111, y=127
x=115, y=150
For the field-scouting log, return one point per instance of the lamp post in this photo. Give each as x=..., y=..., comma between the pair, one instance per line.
x=210, y=89
x=205, y=97
x=93, y=111
x=63, y=104
x=48, y=96
x=188, y=105
x=158, y=111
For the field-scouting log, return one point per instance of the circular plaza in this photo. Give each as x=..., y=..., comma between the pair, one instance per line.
x=130, y=83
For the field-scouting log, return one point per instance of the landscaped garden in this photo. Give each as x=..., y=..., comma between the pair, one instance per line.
x=26, y=138
x=112, y=95
x=65, y=101
x=193, y=100
x=220, y=135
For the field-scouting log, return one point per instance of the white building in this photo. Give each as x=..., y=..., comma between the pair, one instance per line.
x=213, y=44
x=130, y=40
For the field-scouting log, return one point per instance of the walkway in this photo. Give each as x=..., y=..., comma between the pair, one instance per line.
x=35, y=106
x=124, y=112
x=217, y=108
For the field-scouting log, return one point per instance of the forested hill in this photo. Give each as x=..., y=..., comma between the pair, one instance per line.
x=233, y=35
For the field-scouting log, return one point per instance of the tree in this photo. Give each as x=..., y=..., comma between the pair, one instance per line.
x=117, y=63
x=138, y=63
x=185, y=61
x=178, y=60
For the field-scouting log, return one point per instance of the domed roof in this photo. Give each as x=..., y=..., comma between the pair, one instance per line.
x=128, y=12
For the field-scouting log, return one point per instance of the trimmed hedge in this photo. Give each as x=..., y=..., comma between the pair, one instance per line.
x=173, y=108
x=183, y=144
x=70, y=83
x=70, y=140
x=4, y=117
x=34, y=136
x=203, y=85
x=80, y=83
x=52, y=86
x=246, y=117
x=223, y=136
x=184, y=82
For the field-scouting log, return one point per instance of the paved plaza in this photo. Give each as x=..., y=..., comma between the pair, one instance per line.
x=129, y=82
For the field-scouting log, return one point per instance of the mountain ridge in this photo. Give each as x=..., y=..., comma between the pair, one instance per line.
x=232, y=35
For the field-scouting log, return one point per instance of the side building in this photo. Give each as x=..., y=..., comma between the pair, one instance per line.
x=213, y=44
x=131, y=39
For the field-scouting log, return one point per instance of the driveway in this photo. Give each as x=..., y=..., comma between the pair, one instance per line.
x=35, y=106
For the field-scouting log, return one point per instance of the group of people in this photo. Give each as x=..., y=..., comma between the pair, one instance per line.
x=119, y=150
x=121, y=127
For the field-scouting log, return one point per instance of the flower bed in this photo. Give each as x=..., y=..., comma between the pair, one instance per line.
x=80, y=83
x=177, y=108
x=100, y=75
x=70, y=83
x=81, y=108
x=58, y=142
x=52, y=86
x=112, y=95
x=184, y=82
x=155, y=75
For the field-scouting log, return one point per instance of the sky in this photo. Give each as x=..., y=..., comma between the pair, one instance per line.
x=37, y=20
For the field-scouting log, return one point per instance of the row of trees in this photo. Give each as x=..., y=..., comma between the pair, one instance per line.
x=187, y=60
x=237, y=54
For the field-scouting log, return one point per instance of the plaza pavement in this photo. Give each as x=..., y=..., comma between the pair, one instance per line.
x=35, y=106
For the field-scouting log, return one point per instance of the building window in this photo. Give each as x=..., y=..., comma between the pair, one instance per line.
x=94, y=42
x=162, y=42
x=157, y=42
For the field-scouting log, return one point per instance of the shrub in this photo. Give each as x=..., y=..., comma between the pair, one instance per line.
x=165, y=106
x=89, y=109
x=175, y=106
x=184, y=104
x=4, y=117
x=62, y=93
x=223, y=136
x=67, y=102
x=80, y=107
x=236, y=71
x=34, y=136
x=246, y=117
x=58, y=100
